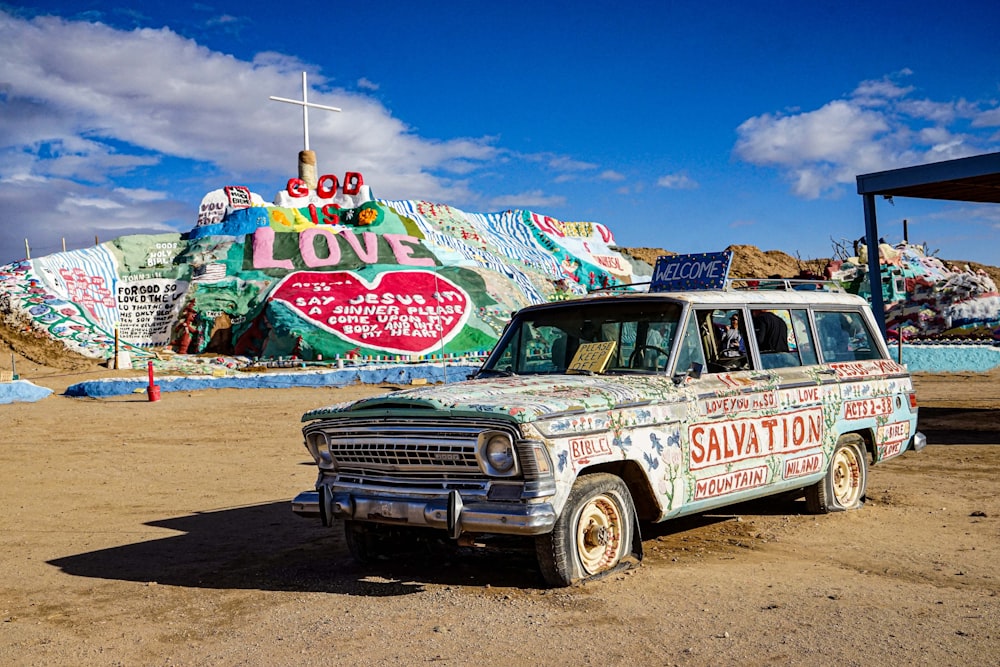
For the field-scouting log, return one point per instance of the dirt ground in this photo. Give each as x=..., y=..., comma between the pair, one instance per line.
x=137, y=533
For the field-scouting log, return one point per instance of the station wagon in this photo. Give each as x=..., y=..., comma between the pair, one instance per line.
x=593, y=415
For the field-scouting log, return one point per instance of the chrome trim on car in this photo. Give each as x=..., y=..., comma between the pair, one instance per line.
x=466, y=517
x=427, y=508
x=306, y=504
x=409, y=471
x=407, y=445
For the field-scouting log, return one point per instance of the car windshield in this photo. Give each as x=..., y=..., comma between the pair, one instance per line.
x=545, y=341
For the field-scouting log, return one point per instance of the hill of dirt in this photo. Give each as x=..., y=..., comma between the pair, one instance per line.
x=752, y=262
x=748, y=262
x=33, y=352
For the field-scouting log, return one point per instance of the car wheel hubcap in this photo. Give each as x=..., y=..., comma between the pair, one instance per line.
x=599, y=535
x=846, y=477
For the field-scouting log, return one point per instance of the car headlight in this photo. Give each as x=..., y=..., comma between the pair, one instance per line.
x=497, y=454
x=500, y=453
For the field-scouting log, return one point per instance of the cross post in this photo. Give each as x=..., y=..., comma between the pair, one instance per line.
x=305, y=104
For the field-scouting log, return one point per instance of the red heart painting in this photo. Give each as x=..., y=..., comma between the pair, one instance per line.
x=403, y=312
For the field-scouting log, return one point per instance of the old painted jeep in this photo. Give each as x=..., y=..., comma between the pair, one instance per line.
x=594, y=414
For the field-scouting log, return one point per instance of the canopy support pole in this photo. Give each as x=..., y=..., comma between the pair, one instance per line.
x=874, y=268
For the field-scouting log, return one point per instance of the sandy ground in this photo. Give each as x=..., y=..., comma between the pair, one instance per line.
x=137, y=533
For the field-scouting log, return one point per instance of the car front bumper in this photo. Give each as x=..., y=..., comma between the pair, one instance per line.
x=447, y=513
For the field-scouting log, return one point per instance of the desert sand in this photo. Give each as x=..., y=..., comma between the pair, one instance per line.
x=139, y=533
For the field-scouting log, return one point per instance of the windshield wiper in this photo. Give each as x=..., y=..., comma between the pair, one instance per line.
x=496, y=371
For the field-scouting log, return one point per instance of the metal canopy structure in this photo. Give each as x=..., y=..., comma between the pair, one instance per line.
x=972, y=179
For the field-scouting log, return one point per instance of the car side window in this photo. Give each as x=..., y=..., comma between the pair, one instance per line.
x=723, y=335
x=803, y=337
x=844, y=336
x=783, y=338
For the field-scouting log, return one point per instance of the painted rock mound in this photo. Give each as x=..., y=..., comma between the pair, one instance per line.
x=925, y=298
x=320, y=273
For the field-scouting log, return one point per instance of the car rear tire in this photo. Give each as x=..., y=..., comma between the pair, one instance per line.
x=843, y=488
x=593, y=535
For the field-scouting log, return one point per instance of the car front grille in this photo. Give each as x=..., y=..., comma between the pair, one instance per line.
x=417, y=447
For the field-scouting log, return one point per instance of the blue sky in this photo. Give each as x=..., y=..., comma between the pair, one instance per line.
x=688, y=126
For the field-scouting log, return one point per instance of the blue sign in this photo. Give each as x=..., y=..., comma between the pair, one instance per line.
x=701, y=271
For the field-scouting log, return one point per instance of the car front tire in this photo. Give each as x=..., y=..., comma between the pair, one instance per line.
x=593, y=535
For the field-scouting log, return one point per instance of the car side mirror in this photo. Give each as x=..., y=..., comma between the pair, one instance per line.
x=693, y=372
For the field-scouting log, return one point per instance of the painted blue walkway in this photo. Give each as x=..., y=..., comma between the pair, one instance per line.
x=401, y=375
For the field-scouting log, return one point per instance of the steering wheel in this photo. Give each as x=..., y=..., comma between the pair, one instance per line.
x=638, y=356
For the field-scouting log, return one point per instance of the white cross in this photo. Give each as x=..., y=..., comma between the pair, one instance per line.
x=305, y=103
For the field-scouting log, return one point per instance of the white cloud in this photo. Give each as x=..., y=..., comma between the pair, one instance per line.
x=879, y=92
x=140, y=194
x=224, y=19
x=83, y=103
x=563, y=163
x=987, y=118
x=829, y=133
x=576, y=170
x=987, y=215
x=66, y=217
x=366, y=84
x=677, y=181
x=101, y=204
x=935, y=112
x=878, y=127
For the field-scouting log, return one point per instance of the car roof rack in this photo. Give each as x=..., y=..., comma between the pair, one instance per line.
x=741, y=284
x=783, y=284
x=621, y=287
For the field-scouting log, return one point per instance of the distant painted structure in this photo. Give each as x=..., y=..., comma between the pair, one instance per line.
x=924, y=298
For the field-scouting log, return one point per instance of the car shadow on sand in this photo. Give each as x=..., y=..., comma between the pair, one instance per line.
x=960, y=426
x=266, y=547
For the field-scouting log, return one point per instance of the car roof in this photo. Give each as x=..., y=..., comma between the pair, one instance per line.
x=766, y=298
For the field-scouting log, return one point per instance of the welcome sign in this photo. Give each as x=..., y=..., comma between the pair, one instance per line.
x=702, y=271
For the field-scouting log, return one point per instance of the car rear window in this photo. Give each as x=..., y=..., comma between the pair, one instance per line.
x=844, y=336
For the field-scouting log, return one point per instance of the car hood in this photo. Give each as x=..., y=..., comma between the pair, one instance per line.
x=518, y=398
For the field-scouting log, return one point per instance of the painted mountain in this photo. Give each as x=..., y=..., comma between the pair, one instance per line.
x=324, y=271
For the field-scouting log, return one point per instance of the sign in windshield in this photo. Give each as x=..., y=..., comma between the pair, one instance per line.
x=592, y=357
